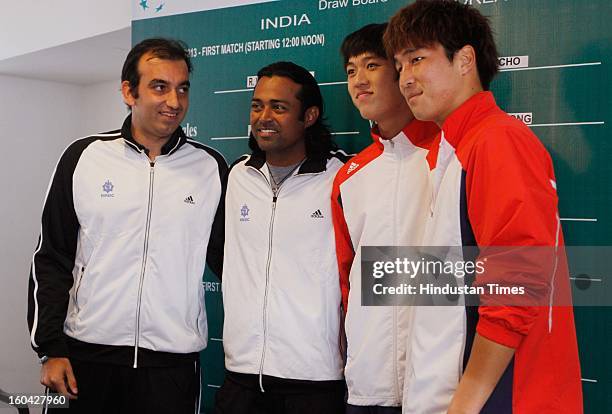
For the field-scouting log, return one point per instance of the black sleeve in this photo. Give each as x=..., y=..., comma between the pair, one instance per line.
x=216, y=242
x=52, y=263
x=214, y=253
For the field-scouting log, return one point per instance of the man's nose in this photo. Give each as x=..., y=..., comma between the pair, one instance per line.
x=265, y=114
x=406, y=77
x=360, y=78
x=172, y=99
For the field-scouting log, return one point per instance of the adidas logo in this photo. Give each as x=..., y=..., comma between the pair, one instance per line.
x=189, y=200
x=317, y=214
x=352, y=168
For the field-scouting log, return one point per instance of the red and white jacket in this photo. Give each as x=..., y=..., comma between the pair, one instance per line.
x=380, y=198
x=494, y=185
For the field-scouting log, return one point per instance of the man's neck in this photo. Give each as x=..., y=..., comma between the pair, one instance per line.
x=278, y=160
x=390, y=127
x=153, y=145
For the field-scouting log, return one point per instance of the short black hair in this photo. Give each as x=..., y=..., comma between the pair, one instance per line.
x=318, y=137
x=161, y=48
x=449, y=23
x=368, y=39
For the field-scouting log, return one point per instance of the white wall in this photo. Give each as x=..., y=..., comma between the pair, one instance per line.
x=38, y=120
x=102, y=107
x=30, y=25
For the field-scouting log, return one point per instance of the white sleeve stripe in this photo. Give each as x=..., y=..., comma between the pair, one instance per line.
x=553, y=183
x=552, y=284
x=40, y=242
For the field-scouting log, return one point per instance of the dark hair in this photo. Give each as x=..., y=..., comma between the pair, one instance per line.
x=161, y=48
x=318, y=137
x=450, y=23
x=367, y=39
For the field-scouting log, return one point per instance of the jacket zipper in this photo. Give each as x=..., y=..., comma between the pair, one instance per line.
x=76, y=290
x=268, y=261
x=144, y=261
x=398, y=156
x=265, y=307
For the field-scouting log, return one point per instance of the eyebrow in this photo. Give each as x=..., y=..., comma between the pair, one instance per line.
x=272, y=101
x=408, y=50
x=372, y=56
x=364, y=56
x=165, y=82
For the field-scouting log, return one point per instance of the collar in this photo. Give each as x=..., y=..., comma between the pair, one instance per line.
x=177, y=138
x=309, y=166
x=470, y=112
x=418, y=133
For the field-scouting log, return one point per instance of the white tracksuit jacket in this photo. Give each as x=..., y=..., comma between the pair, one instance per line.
x=123, y=245
x=380, y=198
x=280, y=286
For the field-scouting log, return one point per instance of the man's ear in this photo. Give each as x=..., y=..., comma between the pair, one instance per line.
x=126, y=93
x=466, y=59
x=311, y=115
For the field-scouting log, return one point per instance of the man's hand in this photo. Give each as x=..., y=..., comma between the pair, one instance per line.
x=56, y=373
x=487, y=363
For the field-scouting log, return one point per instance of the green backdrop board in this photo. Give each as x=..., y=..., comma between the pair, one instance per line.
x=555, y=77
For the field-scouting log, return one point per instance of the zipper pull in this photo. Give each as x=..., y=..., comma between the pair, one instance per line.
x=274, y=199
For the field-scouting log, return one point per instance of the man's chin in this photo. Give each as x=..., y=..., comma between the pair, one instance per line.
x=170, y=126
x=422, y=116
x=166, y=131
x=266, y=140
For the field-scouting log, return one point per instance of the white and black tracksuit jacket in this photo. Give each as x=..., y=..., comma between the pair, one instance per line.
x=281, y=290
x=116, y=276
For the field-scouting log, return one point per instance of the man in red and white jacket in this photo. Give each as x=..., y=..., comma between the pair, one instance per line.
x=380, y=197
x=493, y=185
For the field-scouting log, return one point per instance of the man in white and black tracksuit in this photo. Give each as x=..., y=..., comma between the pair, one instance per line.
x=281, y=288
x=116, y=305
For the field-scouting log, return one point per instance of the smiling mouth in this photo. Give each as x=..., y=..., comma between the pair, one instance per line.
x=413, y=95
x=361, y=95
x=171, y=115
x=266, y=132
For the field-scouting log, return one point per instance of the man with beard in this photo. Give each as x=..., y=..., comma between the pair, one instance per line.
x=280, y=287
x=116, y=307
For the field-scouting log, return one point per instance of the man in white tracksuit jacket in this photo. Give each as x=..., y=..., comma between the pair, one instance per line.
x=380, y=198
x=280, y=286
x=116, y=306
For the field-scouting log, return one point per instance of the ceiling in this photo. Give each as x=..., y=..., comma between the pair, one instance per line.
x=92, y=60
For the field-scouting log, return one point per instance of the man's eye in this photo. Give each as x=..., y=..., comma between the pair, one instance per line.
x=372, y=65
x=184, y=90
x=416, y=59
x=278, y=108
x=159, y=87
x=255, y=106
x=350, y=72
